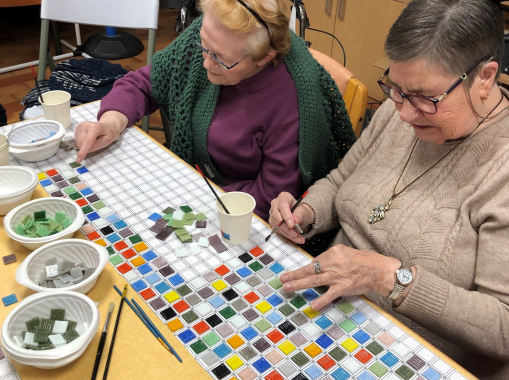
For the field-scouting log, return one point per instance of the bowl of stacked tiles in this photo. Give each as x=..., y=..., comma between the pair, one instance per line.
x=50, y=329
x=74, y=219
x=69, y=264
x=17, y=185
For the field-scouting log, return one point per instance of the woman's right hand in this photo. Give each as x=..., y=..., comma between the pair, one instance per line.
x=91, y=136
x=281, y=210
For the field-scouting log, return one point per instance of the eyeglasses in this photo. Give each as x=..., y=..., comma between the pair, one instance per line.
x=423, y=103
x=223, y=65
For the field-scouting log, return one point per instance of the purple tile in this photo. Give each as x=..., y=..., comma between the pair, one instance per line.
x=164, y=233
x=62, y=184
x=201, y=224
x=198, y=235
x=250, y=315
x=215, y=240
x=415, y=362
x=156, y=228
x=225, y=330
x=210, y=276
x=261, y=345
x=265, y=259
x=232, y=279
x=57, y=194
x=335, y=332
x=159, y=262
x=220, y=247
x=125, y=232
x=9, y=259
x=205, y=293
x=265, y=290
x=166, y=271
x=93, y=198
x=162, y=222
x=157, y=303
x=57, y=178
x=298, y=339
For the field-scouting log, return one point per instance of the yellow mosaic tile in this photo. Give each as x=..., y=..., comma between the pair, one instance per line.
x=172, y=296
x=175, y=325
x=350, y=345
x=264, y=307
x=219, y=285
x=137, y=261
x=234, y=362
x=140, y=247
x=235, y=341
x=286, y=347
x=310, y=312
x=101, y=242
x=313, y=350
x=41, y=176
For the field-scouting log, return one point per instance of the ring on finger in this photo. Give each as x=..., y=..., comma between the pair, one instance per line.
x=272, y=209
x=317, y=267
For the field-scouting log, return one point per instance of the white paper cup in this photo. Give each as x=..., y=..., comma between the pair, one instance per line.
x=236, y=226
x=4, y=151
x=57, y=107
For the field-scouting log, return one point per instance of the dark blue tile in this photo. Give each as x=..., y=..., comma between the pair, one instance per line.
x=144, y=269
x=249, y=333
x=86, y=191
x=139, y=285
x=261, y=365
x=93, y=216
x=244, y=272
x=186, y=336
x=176, y=280
x=82, y=170
x=274, y=300
x=324, y=341
x=155, y=216
x=150, y=255
x=46, y=182
x=361, y=336
x=310, y=295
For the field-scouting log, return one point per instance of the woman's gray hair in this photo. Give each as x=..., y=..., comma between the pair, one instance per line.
x=455, y=34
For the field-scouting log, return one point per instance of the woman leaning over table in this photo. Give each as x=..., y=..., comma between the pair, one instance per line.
x=425, y=190
x=245, y=99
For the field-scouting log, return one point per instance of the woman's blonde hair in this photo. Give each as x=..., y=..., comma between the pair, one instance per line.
x=237, y=19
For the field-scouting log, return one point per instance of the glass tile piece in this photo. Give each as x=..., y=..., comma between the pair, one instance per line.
x=286, y=310
x=337, y=353
x=253, y=281
x=415, y=361
x=211, y=339
x=250, y=315
x=378, y=369
x=214, y=320
x=273, y=357
x=299, y=319
x=404, y=372
x=345, y=307
x=262, y=325
x=247, y=353
x=286, y=327
x=300, y=359
x=298, y=339
x=261, y=345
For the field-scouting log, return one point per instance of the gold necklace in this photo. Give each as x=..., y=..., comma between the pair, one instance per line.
x=379, y=211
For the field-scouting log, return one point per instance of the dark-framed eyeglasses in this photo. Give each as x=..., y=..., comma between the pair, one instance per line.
x=425, y=104
x=223, y=65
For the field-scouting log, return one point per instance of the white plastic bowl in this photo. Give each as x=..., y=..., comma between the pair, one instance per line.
x=76, y=250
x=78, y=307
x=51, y=206
x=17, y=184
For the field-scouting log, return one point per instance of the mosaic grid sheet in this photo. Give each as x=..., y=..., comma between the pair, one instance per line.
x=228, y=308
x=7, y=371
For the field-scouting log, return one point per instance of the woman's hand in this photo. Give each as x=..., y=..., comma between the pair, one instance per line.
x=281, y=210
x=348, y=272
x=91, y=136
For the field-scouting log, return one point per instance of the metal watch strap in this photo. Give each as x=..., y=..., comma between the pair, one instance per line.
x=398, y=288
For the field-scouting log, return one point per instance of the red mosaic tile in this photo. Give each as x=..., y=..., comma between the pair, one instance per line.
x=93, y=235
x=81, y=202
x=51, y=172
x=201, y=327
x=326, y=362
x=124, y=268
x=275, y=336
x=252, y=297
x=120, y=245
x=256, y=251
x=147, y=294
x=274, y=375
x=128, y=253
x=222, y=270
x=363, y=356
x=181, y=306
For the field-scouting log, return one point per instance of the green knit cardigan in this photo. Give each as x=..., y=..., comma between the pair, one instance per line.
x=180, y=86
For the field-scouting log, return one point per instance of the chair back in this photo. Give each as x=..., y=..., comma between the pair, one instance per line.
x=355, y=94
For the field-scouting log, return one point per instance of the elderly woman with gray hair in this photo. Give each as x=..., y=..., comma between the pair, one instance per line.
x=422, y=197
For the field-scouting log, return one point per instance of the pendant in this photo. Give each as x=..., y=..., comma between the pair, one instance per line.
x=378, y=212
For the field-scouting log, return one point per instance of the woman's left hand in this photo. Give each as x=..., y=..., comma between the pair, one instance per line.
x=348, y=271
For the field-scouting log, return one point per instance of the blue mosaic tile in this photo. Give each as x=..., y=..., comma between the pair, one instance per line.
x=323, y=322
x=93, y=216
x=162, y=287
x=113, y=238
x=361, y=336
x=277, y=268
x=261, y=365
x=310, y=295
x=86, y=191
x=431, y=374
x=120, y=224
x=139, y=285
x=82, y=170
x=150, y=255
x=186, y=336
x=324, y=341
x=244, y=272
x=152, y=278
x=359, y=318
x=144, y=269
x=222, y=350
x=46, y=182
x=274, y=317
x=313, y=372
x=217, y=301
x=177, y=279
x=366, y=376
x=113, y=218
x=249, y=333
x=274, y=300
x=340, y=374
x=155, y=216
x=9, y=300
x=389, y=360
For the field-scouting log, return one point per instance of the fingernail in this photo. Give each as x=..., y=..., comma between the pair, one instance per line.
x=286, y=286
x=311, y=307
x=283, y=278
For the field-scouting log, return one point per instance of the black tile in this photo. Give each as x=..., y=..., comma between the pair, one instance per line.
x=107, y=230
x=245, y=257
x=166, y=271
x=214, y=320
x=57, y=194
x=168, y=313
x=93, y=198
x=300, y=376
x=230, y=294
x=286, y=327
x=221, y=371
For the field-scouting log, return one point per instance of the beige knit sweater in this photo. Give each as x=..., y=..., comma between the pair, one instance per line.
x=452, y=224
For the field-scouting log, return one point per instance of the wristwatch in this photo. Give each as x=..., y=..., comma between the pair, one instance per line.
x=403, y=278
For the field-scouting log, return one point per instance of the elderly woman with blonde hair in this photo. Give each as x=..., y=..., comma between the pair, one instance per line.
x=245, y=99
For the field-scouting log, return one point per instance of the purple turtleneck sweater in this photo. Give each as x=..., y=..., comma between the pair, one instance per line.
x=253, y=138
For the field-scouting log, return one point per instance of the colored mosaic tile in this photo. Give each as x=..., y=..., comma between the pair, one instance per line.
x=115, y=260
x=300, y=359
x=227, y=312
x=286, y=310
x=350, y=345
x=201, y=327
x=256, y=266
x=171, y=296
x=9, y=300
x=219, y=285
x=189, y=316
x=348, y=325
x=363, y=356
x=263, y=307
x=404, y=372
x=235, y=341
x=256, y=251
x=275, y=283
x=337, y=353
x=313, y=350
x=262, y=325
x=211, y=339
x=374, y=348
x=140, y=247
x=378, y=369
x=310, y=313
x=298, y=302
x=345, y=307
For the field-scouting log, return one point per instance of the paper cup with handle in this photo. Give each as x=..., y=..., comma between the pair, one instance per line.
x=236, y=226
x=4, y=151
x=57, y=107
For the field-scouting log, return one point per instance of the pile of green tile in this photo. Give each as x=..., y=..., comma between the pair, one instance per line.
x=177, y=219
x=48, y=333
x=41, y=226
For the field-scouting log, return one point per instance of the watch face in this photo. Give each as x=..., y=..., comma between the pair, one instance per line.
x=405, y=276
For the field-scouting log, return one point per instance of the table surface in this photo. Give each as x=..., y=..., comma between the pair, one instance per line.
x=137, y=354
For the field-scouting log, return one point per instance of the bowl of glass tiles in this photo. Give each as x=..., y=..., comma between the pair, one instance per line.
x=50, y=329
x=36, y=140
x=17, y=185
x=70, y=264
x=51, y=206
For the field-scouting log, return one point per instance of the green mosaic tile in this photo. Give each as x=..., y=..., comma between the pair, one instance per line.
x=74, y=165
x=262, y=325
x=180, y=231
x=186, y=208
x=300, y=359
x=168, y=217
x=75, y=196
x=198, y=347
x=168, y=210
x=227, y=312
x=275, y=283
x=345, y=307
x=87, y=209
x=256, y=266
x=184, y=290
x=337, y=353
x=321, y=289
x=135, y=239
x=298, y=302
x=200, y=216
x=186, y=238
x=347, y=325
x=378, y=369
x=190, y=316
x=187, y=222
x=189, y=216
x=115, y=260
x=110, y=250
x=99, y=205
x=374, y=348
x=404, y=372
x=286, y=310
x=177, y=223
x=211, y=338
x=74, y=180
